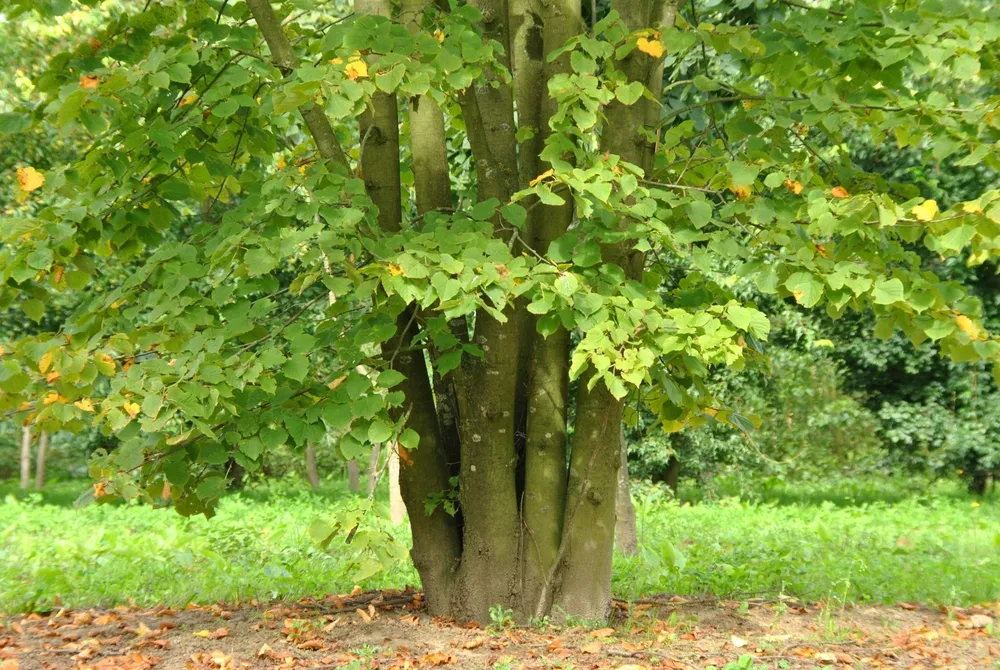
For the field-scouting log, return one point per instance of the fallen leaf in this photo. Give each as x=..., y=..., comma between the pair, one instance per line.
x=602, y=632
x=365, y=616
x=738, y=641
x=473, y=644
x=592, y=648
x=439, y=658
x=980, y=621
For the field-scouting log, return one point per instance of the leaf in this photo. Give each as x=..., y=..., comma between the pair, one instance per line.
x=45, y=362
x=966, y=325
x=592, y=647
x=925, y=211
x=296, y=367
x=602, y=632
x=839, y=192
x=737, y=641
x=85, y=404
x=652, y=48
x=132, y=409
x=29, y=179
x=806, y=289
x=89, y=81
x=356, y=68
x=887, y=291
x=542, y=177
x=793, y=186
x=628, y=94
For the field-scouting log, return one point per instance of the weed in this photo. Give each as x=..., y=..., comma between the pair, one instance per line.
x=501, y=618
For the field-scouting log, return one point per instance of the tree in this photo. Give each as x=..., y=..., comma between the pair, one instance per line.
x=501, y=201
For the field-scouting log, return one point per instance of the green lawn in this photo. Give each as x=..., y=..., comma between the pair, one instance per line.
x=938, y=547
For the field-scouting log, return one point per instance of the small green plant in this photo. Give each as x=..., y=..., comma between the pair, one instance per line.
x=744, y=662
x=501, y=618
x=539, y=623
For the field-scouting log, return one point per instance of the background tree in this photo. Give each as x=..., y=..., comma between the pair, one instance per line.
x=618, y=189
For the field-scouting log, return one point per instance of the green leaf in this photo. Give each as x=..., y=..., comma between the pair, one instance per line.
x=11, y=123
x=587, y=254
x=296, y=367
x=703, y=83
x=699, y=212
x=628, y=94
x=749, y=319
x=380, y=431
x=806, y=288
x=887, y=291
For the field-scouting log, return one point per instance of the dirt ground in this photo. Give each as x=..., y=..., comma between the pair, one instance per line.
x=389, y=630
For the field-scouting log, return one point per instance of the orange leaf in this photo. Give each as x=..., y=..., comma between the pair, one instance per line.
x=602, y=632
x=356, y=68
x=187, y=100
x=592, y=648
x=29, y=179
x=793, y=186
x=742, y=191
x=839, y=192
x=652, y=48
x=89, y=81
x=365, y=616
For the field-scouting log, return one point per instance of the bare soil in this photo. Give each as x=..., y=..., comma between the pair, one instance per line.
x=389, y=630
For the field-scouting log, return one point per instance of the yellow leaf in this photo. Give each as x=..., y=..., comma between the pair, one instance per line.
x=29, y=179
x=45, y=362
x=652, y=48
x=356, y=68
x=395, y=270
x=793, y=186
x=971, y=208
x=966, y=325
x=52, y=376
x=336, y=382
x=187, y=99
x=89, y=81
x=742, y=191
x=85, y=404
x=926, y=211
x=840, y=192
x=439, y=35
x=541, y=177
x=54, y=398
x=281, y=163
x=132, y=409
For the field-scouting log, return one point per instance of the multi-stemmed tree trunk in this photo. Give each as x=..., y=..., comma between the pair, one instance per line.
x=535, y=530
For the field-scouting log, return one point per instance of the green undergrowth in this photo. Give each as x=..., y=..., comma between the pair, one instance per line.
x=942, y=547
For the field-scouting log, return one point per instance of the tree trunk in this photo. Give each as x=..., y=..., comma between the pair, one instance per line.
x=353, y=476
x=535, y=529
x=373, y=469
x=397, y=509
x=311, y=472
x=25, y=457
x=672, y=476
x=626, y=536
x=43, y=445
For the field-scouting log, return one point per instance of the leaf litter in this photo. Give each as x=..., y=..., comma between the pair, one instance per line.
x=389, y=630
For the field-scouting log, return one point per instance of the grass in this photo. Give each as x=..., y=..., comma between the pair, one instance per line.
x=936, y=548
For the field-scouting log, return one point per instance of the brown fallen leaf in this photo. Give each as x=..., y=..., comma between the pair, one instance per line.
x=602, y=632
x=592, y=648
x=473, y=644
x=365, y=616
x=439, y=658
x=312, y=645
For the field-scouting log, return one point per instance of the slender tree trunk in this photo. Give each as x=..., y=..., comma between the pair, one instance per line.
x=353, y=476
x=397, y=509
x=311, y=472
x=373, y=469
x=43, y=445
x=25, y=457
x=626, y=535
x=672, y=476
